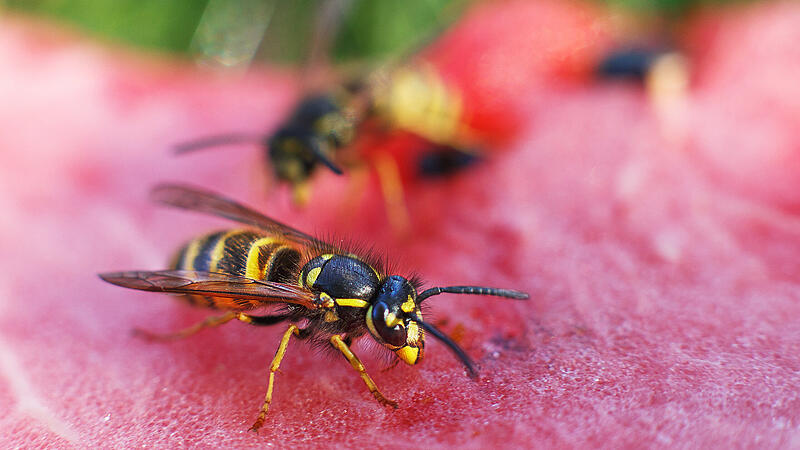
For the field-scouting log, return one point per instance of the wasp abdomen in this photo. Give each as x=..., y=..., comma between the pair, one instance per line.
x=244, y=253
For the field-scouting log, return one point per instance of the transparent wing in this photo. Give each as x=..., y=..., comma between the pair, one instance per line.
x=216, y=285
x=196, y=199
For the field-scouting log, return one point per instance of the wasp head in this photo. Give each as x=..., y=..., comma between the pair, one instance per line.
x=393, y=319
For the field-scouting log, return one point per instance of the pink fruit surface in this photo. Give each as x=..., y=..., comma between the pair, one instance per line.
x=747, y=100
x=663, y=308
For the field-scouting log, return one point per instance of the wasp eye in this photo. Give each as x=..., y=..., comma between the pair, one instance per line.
x=393, y=335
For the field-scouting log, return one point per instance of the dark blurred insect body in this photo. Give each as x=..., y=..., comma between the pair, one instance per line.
x=317, y=127
x=329, y=295
x=661, y=70
x=356, y=124
x=403, y=94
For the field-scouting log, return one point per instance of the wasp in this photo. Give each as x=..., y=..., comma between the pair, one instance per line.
x=328, y=295
x=662, y=70
x=314, y=131
x=639, y=63
x=361, y=115
x=401, y=94
x=412, y=99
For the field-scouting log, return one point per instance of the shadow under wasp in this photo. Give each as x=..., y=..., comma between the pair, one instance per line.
x=328, y=295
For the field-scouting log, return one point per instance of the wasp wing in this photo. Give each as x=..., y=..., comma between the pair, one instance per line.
x=251, y=293
x=196, y=199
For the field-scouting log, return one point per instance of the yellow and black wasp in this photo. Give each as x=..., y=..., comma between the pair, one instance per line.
x=317, y=127
x=409, y=98
x=401, y=94
x=328, y=295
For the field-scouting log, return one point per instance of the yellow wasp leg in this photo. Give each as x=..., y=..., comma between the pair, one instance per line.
x=208, y=323
x=392, y=190
x=340, y=345
x=358, y=177
x=276, y=362
x=301, y=193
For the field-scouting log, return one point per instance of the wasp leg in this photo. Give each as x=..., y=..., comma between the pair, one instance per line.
x=261, y=320
x=301, y=193
x=358, y=177
x=392, y=190
x=208, y=323
x=340, y=345
x=276, y=362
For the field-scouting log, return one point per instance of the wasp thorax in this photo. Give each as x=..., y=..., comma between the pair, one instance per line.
x=340, y=276
x=389, y=319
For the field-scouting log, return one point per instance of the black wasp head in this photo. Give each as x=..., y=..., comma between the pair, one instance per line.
x=395, y=320
x=389, y=319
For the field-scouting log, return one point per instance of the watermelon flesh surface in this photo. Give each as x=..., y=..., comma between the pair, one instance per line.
x=663, y=276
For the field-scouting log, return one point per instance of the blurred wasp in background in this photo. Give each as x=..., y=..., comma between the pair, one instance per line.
x=313, y=132
x=403, y=95
x=656, y=67
x=663, y=72
x=329, y=295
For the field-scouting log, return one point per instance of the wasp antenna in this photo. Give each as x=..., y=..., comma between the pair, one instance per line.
x=216, y=141
x=316, y=150
x=460, y=353
x=474, y=290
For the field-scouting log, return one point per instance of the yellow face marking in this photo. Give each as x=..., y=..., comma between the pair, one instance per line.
x=414, y=334
x=331, y=316
x=326, y=256
x=192, y=250
x=253, y=270
x=311, y=278
x=352, y=302
x=408, y=305
x=409, y=355
x=391, y=320
x=219, y=250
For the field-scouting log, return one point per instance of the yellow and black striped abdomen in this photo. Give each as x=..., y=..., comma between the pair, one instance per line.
x=244, y=253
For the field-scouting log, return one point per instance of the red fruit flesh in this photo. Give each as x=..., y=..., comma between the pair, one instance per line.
x=543, y=45
x=663, y=308
x=748, y=67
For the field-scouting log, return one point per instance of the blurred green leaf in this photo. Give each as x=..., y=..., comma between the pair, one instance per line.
x=369, y=28
x=670, y=9
x=166, y=25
